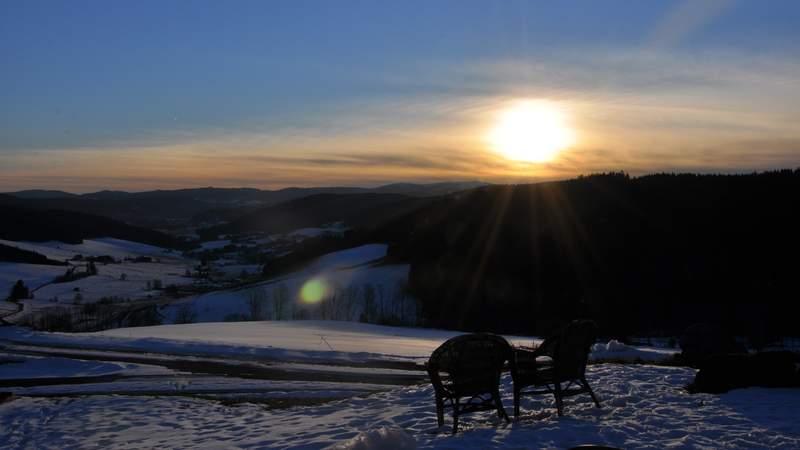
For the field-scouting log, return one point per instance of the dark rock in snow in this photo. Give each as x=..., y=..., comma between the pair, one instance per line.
x=721, y=373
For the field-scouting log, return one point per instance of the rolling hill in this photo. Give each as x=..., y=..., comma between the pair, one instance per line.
x=364, y=211
x=653, y=253
x=175, y=209
x=26, y=224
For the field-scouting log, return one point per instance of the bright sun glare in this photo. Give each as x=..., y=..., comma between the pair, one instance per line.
x=531, y=131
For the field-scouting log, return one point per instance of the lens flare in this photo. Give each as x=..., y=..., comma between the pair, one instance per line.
x=313, y=290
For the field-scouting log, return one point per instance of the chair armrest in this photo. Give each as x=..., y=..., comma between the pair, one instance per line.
x=530, y=359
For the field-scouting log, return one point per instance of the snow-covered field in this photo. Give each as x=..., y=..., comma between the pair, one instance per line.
x=33, y=275
x=116, y=248
x=307, y=340
x=16, y=366
x=333, y=273
x=123, y=280
x=109, y=282
x=643, y=407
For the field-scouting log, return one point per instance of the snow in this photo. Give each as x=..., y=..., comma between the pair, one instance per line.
x=193, y=384
x=335, y=271
x=219, y=305
x=116, y=248
x=152, y=406
x=24, y=367
x=336, y=229
x=32, y=275
x=215, y=245
x=278, y=340
x=7, y=308
x=107, y=283
x=643, y=407
x=303, y=336
x=383, y=438
x=298, y=341
x=617, y=351
x=349, y=258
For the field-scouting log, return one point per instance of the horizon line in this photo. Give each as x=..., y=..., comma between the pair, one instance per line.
x=377, y=186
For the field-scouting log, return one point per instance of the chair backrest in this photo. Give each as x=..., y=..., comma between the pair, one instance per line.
x=570, y=349
x=473, y=363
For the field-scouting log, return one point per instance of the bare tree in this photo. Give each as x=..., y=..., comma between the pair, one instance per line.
x=327, y=307
x=350, y=301
x=185, y=313
x=400, y=301
x=368, y=292
x=257, y=303
x=280, y=296
x=380, y=301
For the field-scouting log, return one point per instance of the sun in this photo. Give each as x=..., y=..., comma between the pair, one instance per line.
x=531, y=131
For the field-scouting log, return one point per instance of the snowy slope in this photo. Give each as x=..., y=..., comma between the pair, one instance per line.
x=107, y=283
x=348, y=258
x=32, y=275
x=334, y=271
x=214, y=245
x=116, y=248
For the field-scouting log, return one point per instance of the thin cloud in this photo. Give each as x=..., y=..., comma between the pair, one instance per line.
x=635, y=110
x=686, y=18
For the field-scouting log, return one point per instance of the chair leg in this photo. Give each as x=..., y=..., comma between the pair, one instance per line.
x=455, y=416
x=501, y=412
x=516, y=403
x=591, y=392
x=559, y=399
x=439, y=410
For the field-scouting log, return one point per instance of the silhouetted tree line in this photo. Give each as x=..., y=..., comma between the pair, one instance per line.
x=645, y=255
x=95, y=316
x=363, y=211
x=27, y=224
x=13, y=254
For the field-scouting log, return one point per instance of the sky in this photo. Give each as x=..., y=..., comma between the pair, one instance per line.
x=168, y=94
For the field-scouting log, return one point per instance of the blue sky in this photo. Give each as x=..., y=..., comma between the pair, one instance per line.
x=137, y=95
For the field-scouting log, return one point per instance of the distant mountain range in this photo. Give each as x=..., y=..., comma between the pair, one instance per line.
x=222, y=195
x=175, y=209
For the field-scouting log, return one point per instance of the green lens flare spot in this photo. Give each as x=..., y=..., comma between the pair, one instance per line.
x=312, y=291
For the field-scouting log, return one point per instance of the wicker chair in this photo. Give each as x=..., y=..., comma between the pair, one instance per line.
x=471, y=365
x=560, y=359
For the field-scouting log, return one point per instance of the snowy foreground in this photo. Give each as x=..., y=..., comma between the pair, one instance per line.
x=340, y=385
x=643, y=407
